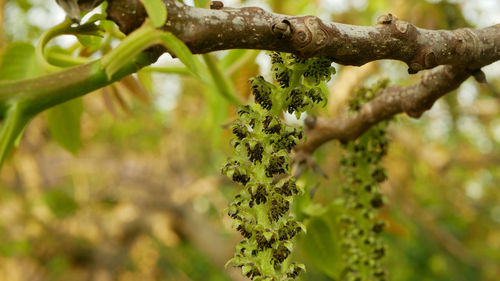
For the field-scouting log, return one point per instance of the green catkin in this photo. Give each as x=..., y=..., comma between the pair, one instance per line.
x=362, y=247
x=261, y=164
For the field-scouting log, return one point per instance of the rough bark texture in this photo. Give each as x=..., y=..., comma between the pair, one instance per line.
x=458, y=53
x=413, y=100
x=205, y=31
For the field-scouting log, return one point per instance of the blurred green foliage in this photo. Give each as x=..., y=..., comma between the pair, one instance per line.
x=143, y=198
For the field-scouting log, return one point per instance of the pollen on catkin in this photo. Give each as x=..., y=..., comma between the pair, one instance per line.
x=261, y=165
x=362, y=247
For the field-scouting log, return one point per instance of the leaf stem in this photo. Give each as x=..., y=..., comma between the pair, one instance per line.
x=139, y=40
x=61, y=28
x=23, y=99
x=11, y=127
x=180, y=70
x=220, y=81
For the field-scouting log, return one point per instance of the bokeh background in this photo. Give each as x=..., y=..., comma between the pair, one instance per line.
x=143, y=198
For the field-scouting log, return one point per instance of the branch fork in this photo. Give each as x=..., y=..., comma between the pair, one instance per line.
x=449, y=57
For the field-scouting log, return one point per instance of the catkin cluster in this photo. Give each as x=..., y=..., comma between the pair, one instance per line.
x=362, y=247
x=261, y=164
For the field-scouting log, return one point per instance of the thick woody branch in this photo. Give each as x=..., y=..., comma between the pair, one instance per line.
x=414, y=100
x=205, y=31
x=458, y=53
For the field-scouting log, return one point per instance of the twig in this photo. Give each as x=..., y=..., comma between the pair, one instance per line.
x=413, y=100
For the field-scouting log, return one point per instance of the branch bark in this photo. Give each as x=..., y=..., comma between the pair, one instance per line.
x=455, y=55
x=414, y=100
x=205, y=31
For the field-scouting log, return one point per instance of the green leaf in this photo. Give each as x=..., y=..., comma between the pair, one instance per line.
x=11, y=128
x=146, y=79
x=60, y=202
x=143, y=38
x=216, y=114
x=58, y=265
x=91, y=42
x=62, y=57
x=222, y=83
x=15, y=247
x=181, y=51
x=132, y=45
x=157, y=11
x=231, y=57
x=97, y=17
x=201, y=3
x=321, y=244
x=18, y=62
x=64, y=124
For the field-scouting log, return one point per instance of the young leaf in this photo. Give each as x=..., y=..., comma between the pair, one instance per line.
x=231, y=57
x=156, y=10
x=12, y=127
x=181, y=51
x=91, y=42
x=202, y=3
x=61, y=57
x=64, y=124
x=320, y=243
x=221, y=82
x=143, y=38
x=132, y=45
x=60, y=202
x=19, y=62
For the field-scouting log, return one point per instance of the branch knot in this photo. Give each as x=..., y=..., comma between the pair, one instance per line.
x=309, y=34
x=283, y=29
x=386, y=19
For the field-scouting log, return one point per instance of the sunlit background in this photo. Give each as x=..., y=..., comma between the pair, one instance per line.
x=143, y=199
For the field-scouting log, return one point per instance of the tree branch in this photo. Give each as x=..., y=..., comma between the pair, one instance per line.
x=205, y=31
x=458, y=53
x=414, y=100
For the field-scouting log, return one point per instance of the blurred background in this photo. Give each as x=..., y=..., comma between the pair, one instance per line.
x=141, y=196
